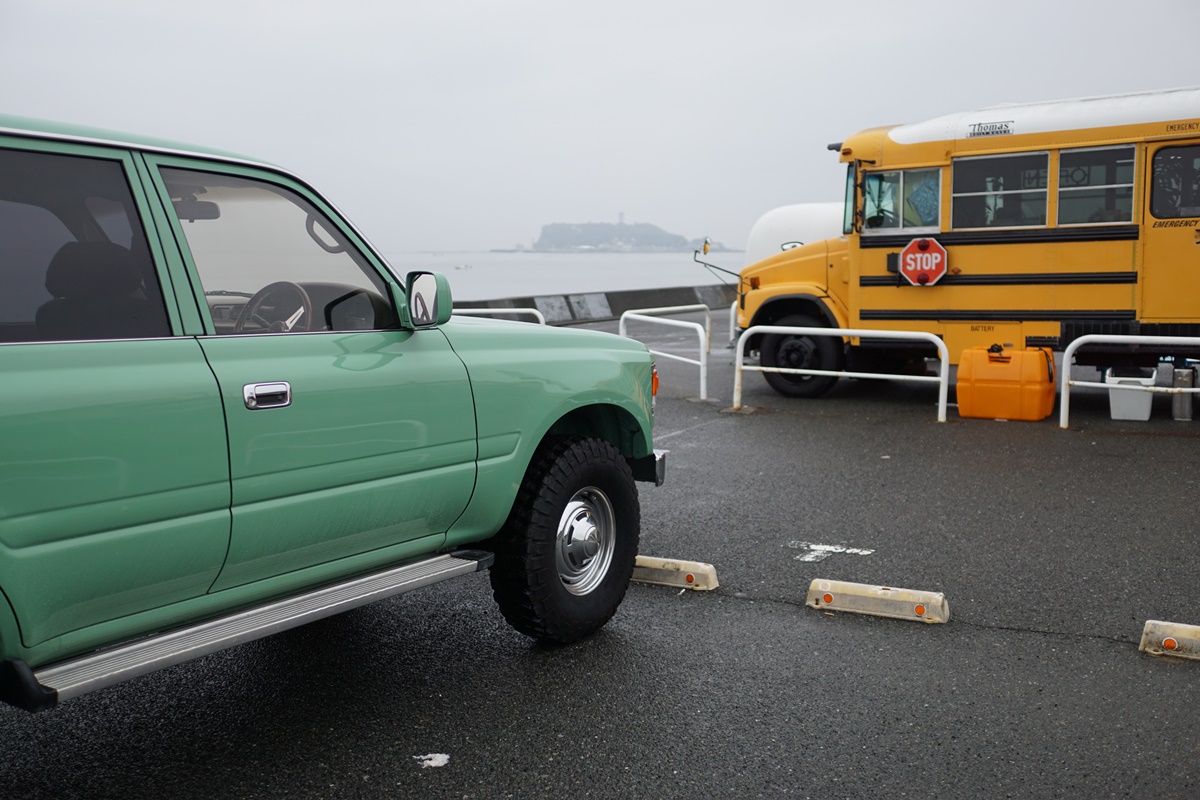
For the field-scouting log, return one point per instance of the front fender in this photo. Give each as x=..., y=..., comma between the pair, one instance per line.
x=529, y=381
x=799, y=299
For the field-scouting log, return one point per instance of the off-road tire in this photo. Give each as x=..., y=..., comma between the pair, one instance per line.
x=548, y=580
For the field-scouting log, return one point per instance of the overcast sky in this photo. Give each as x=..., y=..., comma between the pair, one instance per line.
x=468, y=124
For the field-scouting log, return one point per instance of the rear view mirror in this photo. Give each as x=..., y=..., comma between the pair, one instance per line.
x=190, y=209
x=429, y=302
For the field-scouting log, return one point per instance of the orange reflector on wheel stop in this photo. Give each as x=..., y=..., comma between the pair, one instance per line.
x=1171, y=639
x=673, y=572
x=878, y=601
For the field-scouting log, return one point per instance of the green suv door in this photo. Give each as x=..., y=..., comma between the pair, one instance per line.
x=351, y=441
x=114, y=471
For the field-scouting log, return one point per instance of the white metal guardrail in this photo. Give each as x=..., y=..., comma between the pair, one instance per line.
x=1064, y=402
x=733, y=323
x=703, y=332
x=486, y=312
x=943, y=378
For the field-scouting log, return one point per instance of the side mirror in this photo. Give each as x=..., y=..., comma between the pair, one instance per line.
x=429, y=303
x=707, y=244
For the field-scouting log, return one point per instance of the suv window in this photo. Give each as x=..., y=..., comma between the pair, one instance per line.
x=270, y=261
x=74, y=263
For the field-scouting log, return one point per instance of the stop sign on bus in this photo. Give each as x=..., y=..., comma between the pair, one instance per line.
x=923, y=262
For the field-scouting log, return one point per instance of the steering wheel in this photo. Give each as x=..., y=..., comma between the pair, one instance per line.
x=882, y=219
x=290, y=310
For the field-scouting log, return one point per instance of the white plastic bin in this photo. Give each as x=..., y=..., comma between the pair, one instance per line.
x=1130, y=404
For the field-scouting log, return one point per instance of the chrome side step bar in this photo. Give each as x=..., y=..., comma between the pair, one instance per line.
x=45, y=687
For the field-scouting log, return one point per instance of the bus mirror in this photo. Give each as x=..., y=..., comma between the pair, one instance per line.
x=707, y=245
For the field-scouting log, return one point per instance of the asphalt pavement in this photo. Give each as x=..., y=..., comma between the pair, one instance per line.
x=1052, y=547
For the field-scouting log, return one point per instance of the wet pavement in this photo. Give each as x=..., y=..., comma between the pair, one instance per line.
x=1053, y=548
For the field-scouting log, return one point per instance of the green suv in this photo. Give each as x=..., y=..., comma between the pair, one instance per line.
x=222, y=416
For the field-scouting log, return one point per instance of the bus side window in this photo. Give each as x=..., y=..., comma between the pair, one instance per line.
x=921, y=200
x=879, y=200
x=1095, y=185
x=1000, y=191
x=1176, y=191
x=901, y=199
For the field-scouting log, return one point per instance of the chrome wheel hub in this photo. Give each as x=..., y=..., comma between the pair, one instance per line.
x=586, y=536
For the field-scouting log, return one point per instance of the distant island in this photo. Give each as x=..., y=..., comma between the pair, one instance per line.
x=608, y=237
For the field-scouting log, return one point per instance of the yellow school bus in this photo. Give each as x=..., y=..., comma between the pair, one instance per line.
x=1022, y=225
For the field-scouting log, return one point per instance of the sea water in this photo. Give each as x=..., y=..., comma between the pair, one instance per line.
x=491, y=276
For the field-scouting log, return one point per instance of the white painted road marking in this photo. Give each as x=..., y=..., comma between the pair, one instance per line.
x=433, y=760
x=659, y=437
x=820, y=552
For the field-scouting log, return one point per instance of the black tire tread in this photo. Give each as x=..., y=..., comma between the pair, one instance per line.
x=525, y=582
x=815, y=385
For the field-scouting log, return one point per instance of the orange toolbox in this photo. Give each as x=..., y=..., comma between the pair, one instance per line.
x=995, y=383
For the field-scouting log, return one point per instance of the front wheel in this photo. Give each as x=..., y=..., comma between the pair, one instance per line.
x=567, y=550
x=801, y=352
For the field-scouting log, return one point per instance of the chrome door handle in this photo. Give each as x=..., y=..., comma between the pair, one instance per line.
x=267, y=395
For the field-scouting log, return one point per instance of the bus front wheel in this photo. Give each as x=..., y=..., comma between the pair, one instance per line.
x=801, y=352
